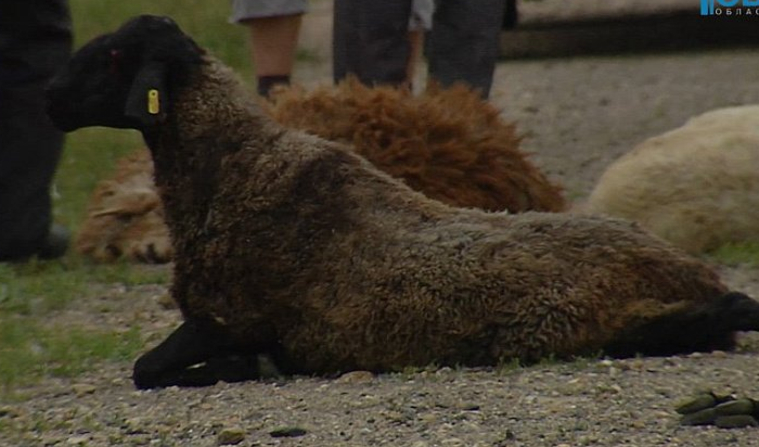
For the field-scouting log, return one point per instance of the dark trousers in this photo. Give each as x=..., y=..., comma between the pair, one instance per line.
x=371, y=41
x=35, y=40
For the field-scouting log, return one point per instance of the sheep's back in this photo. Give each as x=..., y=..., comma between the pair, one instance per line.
x=476, y=289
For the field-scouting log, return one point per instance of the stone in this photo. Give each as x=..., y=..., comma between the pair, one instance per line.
x=737, y=406
x=736, y=421
x=356, y=377
x=287, y=432
x=231, y=436
x=696, y=403
x=703, y=417
x=81, y=389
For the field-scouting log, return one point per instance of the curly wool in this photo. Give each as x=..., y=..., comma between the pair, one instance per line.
x=293, y=241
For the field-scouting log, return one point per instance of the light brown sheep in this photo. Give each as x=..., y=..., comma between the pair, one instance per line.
x=448, y=144
x=125, y=216
x=294, y=246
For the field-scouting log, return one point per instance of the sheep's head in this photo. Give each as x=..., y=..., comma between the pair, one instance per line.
x=124, y=79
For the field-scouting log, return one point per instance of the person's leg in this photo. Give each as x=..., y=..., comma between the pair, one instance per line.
x=463, y=44
x=419, y=24
x=35, y=40
x=274, y=26
x=371, y=40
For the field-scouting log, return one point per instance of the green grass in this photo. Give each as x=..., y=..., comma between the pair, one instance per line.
x=746, y=253
x=32, y=348
x=31, y=293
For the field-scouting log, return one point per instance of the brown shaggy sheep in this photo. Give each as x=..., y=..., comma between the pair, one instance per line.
x=294, y=246
x=448, y=144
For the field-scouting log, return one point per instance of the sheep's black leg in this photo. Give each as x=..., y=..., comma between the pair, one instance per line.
x=703, y=328
x=195, y=354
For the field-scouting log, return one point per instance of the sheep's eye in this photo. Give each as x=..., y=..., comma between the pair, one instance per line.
x=115, y=61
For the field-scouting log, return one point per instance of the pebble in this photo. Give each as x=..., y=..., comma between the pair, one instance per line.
x=81, y=389
x=696, y=403
x=134, y=426
x=77, y=440
x=738, y=406
x=468, y=406
x=702, y=417
x=736, y=421
x=287, y=432
x=429, y=418
x=355, y=377
x=231, y=436
x=8, y=411
x=166, y=301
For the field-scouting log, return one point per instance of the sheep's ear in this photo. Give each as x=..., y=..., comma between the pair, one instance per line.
x=148, y=99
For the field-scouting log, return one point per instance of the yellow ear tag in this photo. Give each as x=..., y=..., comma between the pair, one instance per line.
x=154, y=105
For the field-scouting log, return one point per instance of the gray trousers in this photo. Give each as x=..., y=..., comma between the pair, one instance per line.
x=35, y=40
x=370, y=41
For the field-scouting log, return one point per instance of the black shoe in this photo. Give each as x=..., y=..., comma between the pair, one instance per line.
x=56, y=244
x=53, y=246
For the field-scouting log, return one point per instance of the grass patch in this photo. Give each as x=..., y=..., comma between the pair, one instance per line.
x=207, y=22
x=745, y=253
x=30, y=351
x=36, y=288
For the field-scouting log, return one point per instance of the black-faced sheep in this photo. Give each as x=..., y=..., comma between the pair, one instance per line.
x=294, y=246
x=447, y=143
x=696, y=186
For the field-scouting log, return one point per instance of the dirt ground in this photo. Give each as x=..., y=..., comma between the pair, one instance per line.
x=578, y=113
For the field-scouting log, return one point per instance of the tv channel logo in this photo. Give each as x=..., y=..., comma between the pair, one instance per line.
x=729, y=7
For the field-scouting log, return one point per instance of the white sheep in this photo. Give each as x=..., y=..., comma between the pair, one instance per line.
x=696, y=186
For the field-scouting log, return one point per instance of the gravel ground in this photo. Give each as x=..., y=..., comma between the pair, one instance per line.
x=578, y=114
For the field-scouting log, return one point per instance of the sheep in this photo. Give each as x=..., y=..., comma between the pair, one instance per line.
x=447, y=143
x=695, y=186
x=125, y=216
x=295, y=247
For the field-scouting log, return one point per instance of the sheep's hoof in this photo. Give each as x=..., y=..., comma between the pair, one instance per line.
x=197, y=353
x=232, y=368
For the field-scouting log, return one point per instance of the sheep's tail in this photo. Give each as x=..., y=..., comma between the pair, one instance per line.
x=695, y=327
